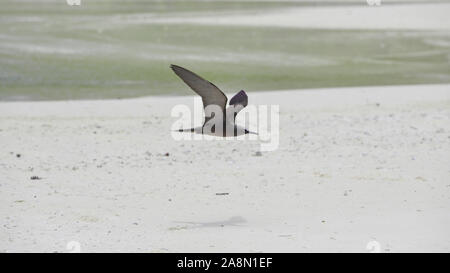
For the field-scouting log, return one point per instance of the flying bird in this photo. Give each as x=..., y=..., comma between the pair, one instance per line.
x=219, y=119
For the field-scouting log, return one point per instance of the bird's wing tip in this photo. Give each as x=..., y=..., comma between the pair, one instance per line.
x=240, y=98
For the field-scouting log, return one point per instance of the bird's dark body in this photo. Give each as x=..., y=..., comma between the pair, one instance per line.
x=214, y=98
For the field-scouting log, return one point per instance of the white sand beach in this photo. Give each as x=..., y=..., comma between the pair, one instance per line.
x=354, y=165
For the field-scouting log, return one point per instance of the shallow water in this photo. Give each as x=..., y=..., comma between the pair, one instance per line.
x=107, y=49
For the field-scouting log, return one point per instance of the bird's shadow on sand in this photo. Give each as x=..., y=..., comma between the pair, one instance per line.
x=233, y=221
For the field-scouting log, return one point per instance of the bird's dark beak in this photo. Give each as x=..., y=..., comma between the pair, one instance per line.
x=248, y=132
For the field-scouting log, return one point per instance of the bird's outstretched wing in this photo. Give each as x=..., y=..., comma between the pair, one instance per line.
x=211, y=95
x=237, y=103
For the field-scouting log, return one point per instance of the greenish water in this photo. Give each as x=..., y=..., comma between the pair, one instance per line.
x=107, y=49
